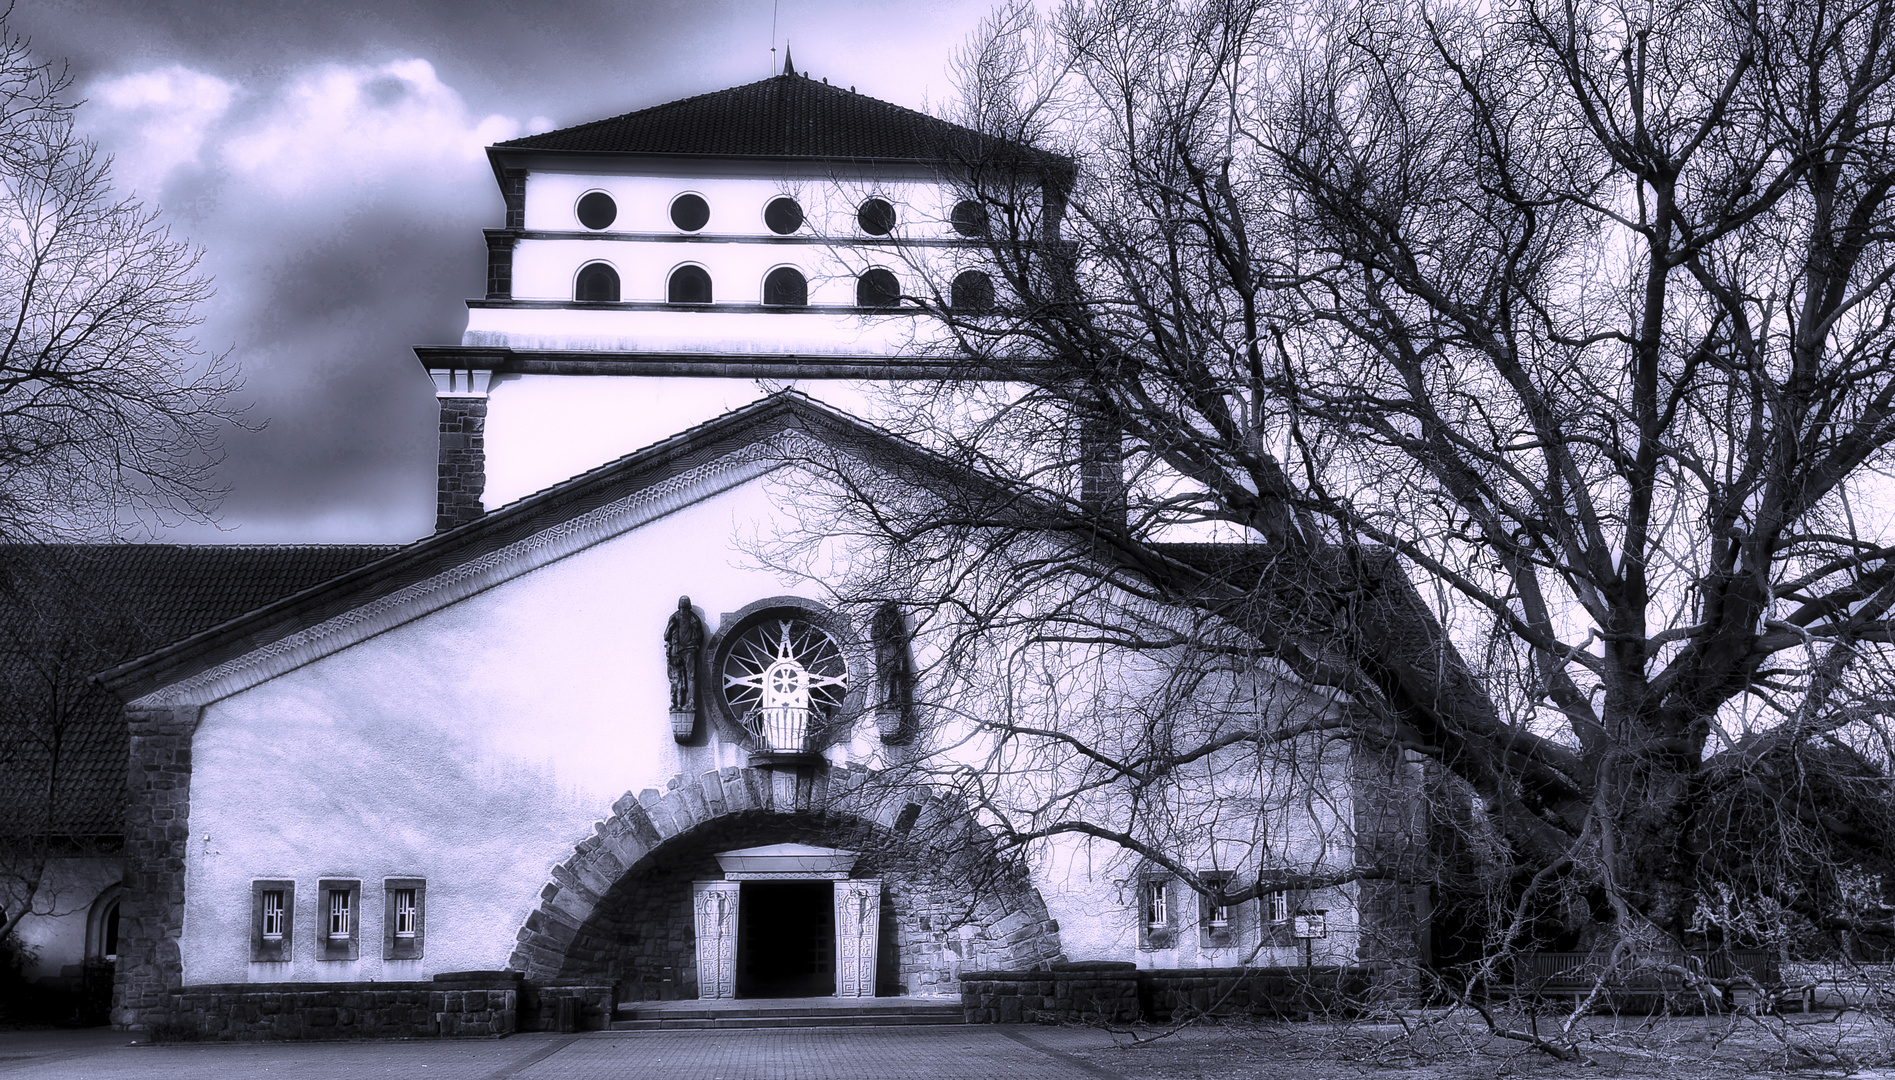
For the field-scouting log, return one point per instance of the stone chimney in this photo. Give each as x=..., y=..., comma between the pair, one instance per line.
x=461, y=474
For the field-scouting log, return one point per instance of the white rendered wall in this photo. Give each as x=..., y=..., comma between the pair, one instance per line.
x=829, y=202
x=472, y=747
x=703, y=330
x=542, y=429
x=738, y=250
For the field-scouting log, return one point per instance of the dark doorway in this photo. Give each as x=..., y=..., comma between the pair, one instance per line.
x=786, y=939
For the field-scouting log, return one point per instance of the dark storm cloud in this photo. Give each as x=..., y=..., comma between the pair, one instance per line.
x=326, y=158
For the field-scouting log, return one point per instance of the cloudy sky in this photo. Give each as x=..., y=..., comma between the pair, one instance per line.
x=327, y=158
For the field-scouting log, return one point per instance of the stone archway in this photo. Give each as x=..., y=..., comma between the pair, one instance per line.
x=619, y=909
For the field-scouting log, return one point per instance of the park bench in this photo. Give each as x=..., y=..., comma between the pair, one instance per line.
x=1544, y=975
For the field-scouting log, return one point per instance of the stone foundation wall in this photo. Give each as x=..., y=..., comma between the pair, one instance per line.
x=1049, y=997
x=243, y=1012
x=539, y=1005
x=486, y=1003
x=1085, y=993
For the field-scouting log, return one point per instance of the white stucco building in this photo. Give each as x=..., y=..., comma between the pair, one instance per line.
x=505, y=750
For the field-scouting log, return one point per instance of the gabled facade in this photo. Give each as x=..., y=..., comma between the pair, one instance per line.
x=580, y=742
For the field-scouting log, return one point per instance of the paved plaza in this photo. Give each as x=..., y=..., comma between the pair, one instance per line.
x=938, y=1053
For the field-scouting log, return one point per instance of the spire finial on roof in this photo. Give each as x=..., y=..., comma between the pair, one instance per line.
x=789, y=66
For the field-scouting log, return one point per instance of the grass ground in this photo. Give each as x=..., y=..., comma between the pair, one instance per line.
x=1457, y=1046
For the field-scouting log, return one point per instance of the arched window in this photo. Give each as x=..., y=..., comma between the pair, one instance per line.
x=596, y=283
x=970, y=218
x=108, y=949
x=783, y=215
x=973, y=292
x=785, y=287
x=689, y=285
x=877, y=288
x=876, y=217
x=102, y=924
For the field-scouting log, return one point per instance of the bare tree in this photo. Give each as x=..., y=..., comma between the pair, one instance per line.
x=107, y=410
x=1514, y=381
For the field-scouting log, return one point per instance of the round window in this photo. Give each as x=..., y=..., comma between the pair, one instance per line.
x=970, y=218
x=784, y=678
x=783, y=215
x=876, y=217
x=690, y=212
x=597, y=210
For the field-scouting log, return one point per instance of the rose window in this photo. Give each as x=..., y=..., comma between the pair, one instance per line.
x=785, y=679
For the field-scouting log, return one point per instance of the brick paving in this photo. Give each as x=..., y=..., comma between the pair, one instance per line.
x=937, y=1053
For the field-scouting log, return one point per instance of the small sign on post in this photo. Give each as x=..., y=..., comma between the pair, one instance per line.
x=1306, y=927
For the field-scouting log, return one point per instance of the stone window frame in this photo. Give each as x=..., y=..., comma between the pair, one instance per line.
x=329, y=948
x=1211, y=934
x=1162, y=932
x=274, y=950
x=404, y=948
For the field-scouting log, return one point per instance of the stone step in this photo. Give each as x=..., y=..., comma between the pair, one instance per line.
x=784, y=1012
x=732, y=1022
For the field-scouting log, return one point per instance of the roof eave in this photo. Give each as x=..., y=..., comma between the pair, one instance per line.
x=1053, y=163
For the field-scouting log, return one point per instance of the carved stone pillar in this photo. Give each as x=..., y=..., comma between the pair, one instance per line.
x=714, y=910
x=858, y=927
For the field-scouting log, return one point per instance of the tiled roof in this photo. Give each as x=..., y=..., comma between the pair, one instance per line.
x=70, y=611
x=786, y=116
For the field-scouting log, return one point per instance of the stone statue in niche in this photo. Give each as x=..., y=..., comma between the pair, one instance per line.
x=684, y=652
x=894, y=675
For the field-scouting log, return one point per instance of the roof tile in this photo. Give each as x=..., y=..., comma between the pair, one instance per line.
x=785, y=116
x=69, y=611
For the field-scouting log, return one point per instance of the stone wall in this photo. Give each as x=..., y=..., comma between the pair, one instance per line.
x=157, y=835
x=1391, y=835
x=454, y=1004
x=462, y=468
x=619, y=910
x=539, y=1005
x=1107, y=992
x=242, y=1012
x=1092, y=994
